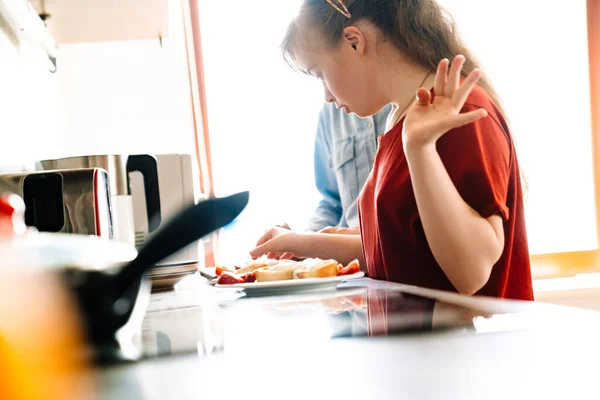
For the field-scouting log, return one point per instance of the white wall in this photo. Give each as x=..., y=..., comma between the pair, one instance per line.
x=30, y=111
x=109, y=97
x=127, y=96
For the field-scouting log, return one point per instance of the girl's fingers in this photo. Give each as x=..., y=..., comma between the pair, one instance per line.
x=265, y=237
x=260, y=250
x=328, y=229
x=423, y=97
x=269, y=246
x=453, y=80
x=461, y=94
x=466, y=118
x=441, y=76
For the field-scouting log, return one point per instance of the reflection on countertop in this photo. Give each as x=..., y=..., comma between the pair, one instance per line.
x=200, y=319
x=365, y=339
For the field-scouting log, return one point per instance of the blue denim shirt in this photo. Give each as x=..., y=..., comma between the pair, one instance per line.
x=345, y=149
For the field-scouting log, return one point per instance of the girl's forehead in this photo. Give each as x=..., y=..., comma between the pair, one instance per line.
x=309, y=40
x=306, y=60
x=308, y=49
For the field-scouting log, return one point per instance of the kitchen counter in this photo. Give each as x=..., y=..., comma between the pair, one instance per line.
x=365, y=339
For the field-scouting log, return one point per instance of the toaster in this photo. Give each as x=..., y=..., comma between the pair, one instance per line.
x=174, y=180
x=67, y=201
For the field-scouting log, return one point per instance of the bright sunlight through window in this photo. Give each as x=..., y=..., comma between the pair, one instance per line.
x=536, y=55
x=263, y=116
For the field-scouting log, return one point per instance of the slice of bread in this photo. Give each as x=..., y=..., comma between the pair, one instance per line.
x=267, y=274
x=322, y=269
x=282, y=270
x=256, y=264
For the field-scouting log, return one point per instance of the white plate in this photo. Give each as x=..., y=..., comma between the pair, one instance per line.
x=293, y=284
x=208, y=272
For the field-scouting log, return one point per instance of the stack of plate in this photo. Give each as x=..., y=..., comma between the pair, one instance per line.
x=164, y=278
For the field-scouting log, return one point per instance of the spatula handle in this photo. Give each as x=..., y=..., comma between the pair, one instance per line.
x=186, y=227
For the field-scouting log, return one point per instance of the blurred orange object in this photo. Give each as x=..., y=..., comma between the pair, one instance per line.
x=42, y=348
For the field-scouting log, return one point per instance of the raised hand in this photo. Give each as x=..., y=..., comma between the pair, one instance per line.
x=425, y=121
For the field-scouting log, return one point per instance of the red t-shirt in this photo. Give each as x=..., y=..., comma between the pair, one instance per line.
x=481, y=162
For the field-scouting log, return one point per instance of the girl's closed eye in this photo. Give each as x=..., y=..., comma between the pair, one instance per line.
x=317, y=75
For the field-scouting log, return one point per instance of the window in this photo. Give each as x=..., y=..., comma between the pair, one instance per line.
x=257, y=106
x=262, y=118
x=538, y=70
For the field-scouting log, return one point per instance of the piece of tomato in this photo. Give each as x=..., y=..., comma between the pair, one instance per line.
x=352, y=268
x=251, y=277
x=227, y=278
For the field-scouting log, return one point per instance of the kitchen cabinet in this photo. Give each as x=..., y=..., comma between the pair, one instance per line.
x=77, y=21
x=19, y=20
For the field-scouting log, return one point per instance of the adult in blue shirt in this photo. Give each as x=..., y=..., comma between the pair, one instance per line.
x=345, y=148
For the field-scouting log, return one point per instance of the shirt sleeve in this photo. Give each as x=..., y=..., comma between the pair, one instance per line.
x=329, y=209
x=478, y=157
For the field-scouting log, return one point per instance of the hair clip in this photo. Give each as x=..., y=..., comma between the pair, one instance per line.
x=344, y=10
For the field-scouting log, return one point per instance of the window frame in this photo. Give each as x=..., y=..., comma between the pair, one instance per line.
x=572, y=263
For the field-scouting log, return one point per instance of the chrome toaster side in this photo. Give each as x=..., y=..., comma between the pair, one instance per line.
x=67, y=201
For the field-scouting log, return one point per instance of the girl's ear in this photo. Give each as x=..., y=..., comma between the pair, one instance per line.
x=354, y=38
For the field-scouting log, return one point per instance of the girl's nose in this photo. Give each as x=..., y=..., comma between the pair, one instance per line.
x=328, y=96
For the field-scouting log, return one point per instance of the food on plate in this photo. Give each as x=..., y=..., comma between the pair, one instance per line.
x=320, y=269
x=280, y=271
x=268, y=270
x=352, y=268
x=268, y=275
x=256, y=264
x=229, y=278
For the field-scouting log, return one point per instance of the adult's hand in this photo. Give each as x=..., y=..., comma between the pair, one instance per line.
x=340, y=231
